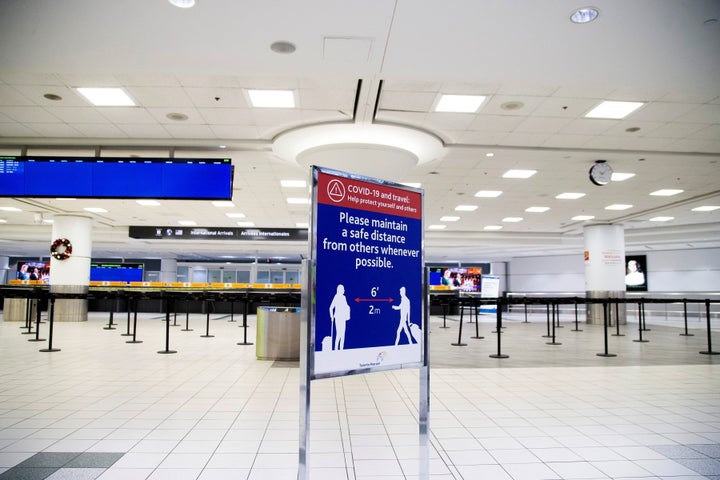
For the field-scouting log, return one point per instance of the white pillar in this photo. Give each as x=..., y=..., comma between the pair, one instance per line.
x=604, y=269
x=168, y=270
x=71, y=275
x=500, y=269
x=4, y=269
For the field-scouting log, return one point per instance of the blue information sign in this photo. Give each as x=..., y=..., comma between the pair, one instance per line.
x=368, y=275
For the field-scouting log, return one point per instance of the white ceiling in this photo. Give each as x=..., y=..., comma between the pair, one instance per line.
x=394, y=57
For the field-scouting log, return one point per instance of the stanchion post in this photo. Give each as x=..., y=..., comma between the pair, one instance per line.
x=232, y=310
x=617, y=320
x=477, y=321
x=28, y=317
x=547, y=313
x=686, y=334
x=51, y=315
x=187, y=317
x=134, y=334
x=128, y=302
x=644, y=323
x=555, y=308
x=641, y=310
x=525, y=305
x=168, y=306
x=244, y=325
x=37, y=328
x=207, y=321
x=709, y=335
x=459, y=342
x=605, y=330
x=445, y=309
x=498, y=330
x=576, y=317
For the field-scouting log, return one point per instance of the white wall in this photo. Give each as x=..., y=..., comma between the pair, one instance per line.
x=696, y=270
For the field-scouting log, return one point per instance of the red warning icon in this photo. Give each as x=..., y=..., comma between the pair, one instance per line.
x=336, y=190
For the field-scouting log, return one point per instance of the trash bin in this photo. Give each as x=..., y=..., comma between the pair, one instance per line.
x=278, y=333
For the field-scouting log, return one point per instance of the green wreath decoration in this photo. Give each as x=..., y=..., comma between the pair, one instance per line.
x=61, y=253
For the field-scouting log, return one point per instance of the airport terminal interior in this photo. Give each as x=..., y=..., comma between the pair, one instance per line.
x=530, y=188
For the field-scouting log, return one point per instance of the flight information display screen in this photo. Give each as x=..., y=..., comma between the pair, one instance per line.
x=96, y=177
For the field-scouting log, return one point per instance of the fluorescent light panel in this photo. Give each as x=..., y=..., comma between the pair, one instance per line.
x=298, y=201
x=618, y=206
x=466, y=208
x=620, y=177
x=488, y=193
x=459, y=103
x=272, y=98
x=449, y=219
x=235, y=215
x=493, y=227
x=437, y=227
x=107, y=97
x=293, y=183
x=613, y=110
x=537, y=209
x=412, y=184
x=519, y=173
x=187, y=223
x=706, y=208
x=246, y=224
x=512, y=219
x=662, y=219
x=223, y=204
x=582, y=218
x=148, y=203
x=10, y=209
x=570, y=196
x=95, y=210
x=666, y=192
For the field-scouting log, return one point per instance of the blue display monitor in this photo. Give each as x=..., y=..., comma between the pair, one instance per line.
x=116, y=272
x=94, y=177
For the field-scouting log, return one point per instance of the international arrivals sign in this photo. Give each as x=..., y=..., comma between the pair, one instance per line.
x=219, y=233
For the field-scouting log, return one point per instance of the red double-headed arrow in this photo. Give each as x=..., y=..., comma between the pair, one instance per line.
x=374, y=299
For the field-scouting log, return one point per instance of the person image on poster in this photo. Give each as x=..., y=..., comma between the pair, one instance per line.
x=404, y=308
x=634, y=274
x=339, y=314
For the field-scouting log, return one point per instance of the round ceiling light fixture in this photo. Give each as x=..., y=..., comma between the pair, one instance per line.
x=53, y=96
x=178, y=117
x=283, y=47
x=512, y=105
x=373, y=150
x=584, y=15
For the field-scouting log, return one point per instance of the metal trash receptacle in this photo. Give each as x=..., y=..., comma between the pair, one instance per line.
x=278, y=333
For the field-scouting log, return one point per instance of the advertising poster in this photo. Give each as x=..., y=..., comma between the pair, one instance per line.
x=490, y=289
x=369, y=274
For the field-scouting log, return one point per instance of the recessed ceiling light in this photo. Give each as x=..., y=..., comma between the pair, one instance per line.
x=10, y=209
x=618, y=206
x=148, y=203
x=449, y=218
x=519, y=173
x=537, y=209
x=412, y=184
x=223, y=204
x=187, y=223
x=570, y=196
x=512, y=105
x=584, y=15
x=176, y=116
x=706, y=208
x=490, y=154
x=298, y=201
x=283, y=46
x=272, y=98
x=48, y=220
x=222, y=146
x=183, y=3
x=293, y=183
x=65, y=199
x=488, y=193
x=613, y=110
x=512, y=219
x=302, y=225
x=235, y=215
x=107, y=97
x=582, y=218
x=459, y=103
x=466, y=208
x=2, y=220
x=246, y=224
x=619, y=177
x=662, y=219
x=493, y=227
x=52, y=96
x=437, y=227
x=666, y=192
x=95, y=209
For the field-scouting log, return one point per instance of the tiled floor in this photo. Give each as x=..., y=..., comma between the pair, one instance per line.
x=102, y=408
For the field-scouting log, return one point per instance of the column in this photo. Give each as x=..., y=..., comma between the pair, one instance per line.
x=604, y=269
x=5, y=270
x=168, y=270
x=71, y=274
x=500, y=269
